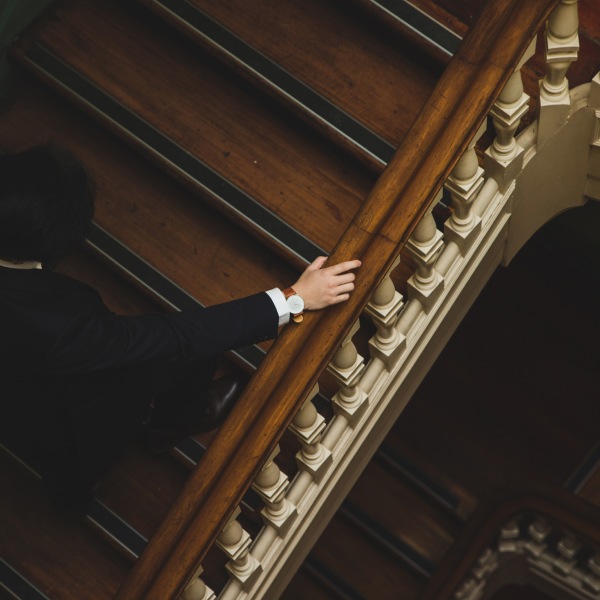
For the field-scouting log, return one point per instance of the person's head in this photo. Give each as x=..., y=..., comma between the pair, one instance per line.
x=46, y=205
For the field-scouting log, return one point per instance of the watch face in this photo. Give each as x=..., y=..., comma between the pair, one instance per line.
x=295, y=304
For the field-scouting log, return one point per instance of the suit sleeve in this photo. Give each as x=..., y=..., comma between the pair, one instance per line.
x=94, y=342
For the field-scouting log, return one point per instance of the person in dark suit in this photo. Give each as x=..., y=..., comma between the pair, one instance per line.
x=78, y=381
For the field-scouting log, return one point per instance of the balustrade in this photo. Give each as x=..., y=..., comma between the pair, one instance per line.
x=367, y=388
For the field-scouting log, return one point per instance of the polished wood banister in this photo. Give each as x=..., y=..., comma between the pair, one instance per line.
x=376, y=235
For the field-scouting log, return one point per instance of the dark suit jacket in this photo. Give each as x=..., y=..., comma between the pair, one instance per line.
x=60, y=347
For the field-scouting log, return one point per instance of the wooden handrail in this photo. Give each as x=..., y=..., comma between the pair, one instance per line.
x=398, y=201
x=554, y=504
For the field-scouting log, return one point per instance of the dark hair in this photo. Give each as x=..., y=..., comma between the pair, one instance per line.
x=46, y=205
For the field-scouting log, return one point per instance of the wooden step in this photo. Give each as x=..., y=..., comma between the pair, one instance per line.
x=160, y=221
x=402, y=516
x=436, y=32
x=306, y=55
x=218, y=135
x=38, y=543
x=356, y=566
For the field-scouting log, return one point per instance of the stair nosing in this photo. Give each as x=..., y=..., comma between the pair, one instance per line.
x=329, y=578
x=435, y=491
x=584, y=471
x=17, y=585
x=138, y=130
x=410, y=16
x=115, y=528
x=400, y=549
x=99, y=515
x=276, y=77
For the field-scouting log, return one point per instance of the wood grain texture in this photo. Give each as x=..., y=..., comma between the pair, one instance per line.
x=161, y=221
x=380, y=228
x=403, y=512
x=345, y=550
x=189, y=97
x=38, y=541
x=370, y=74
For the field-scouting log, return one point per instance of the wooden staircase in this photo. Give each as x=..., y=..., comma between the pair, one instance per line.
x=231, y=143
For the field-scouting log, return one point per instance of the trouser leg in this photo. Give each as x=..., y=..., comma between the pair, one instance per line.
x=104, y=412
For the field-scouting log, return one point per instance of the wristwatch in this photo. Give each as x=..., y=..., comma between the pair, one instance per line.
x=295, y=304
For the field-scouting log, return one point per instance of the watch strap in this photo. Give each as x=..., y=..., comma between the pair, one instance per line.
x=288, y=292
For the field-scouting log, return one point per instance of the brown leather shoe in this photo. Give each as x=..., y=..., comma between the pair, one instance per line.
x=205, y=414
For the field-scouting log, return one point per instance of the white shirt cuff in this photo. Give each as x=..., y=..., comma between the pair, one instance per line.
x=280, y=304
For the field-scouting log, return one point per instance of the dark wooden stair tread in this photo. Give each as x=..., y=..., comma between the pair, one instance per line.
x=356, y=558
x=237, y=132
x=456, y=16
x=403, y=513
x=388, y=83
x=304, y=586
x=119, y=296
x=39, y=543
x=141, y=487
x=195, y=246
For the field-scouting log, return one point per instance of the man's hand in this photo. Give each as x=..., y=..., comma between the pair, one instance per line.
x=323, y=287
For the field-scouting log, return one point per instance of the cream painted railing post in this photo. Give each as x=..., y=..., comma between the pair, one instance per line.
x=424, y=246
x=464, y=183
x=271, y=485
x=308, y=426
x=384, y=308
x=504, y=158
x=347, y=367
x=562, y=48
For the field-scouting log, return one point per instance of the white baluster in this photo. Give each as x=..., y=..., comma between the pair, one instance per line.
x=562, y=48
x=504, y=158
x=424, y=246
x=235, y=542
x=464, y=183
x=384, y=308
x=271, y=484
x=197, y=589
x=308, y=426
x=347, y=367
